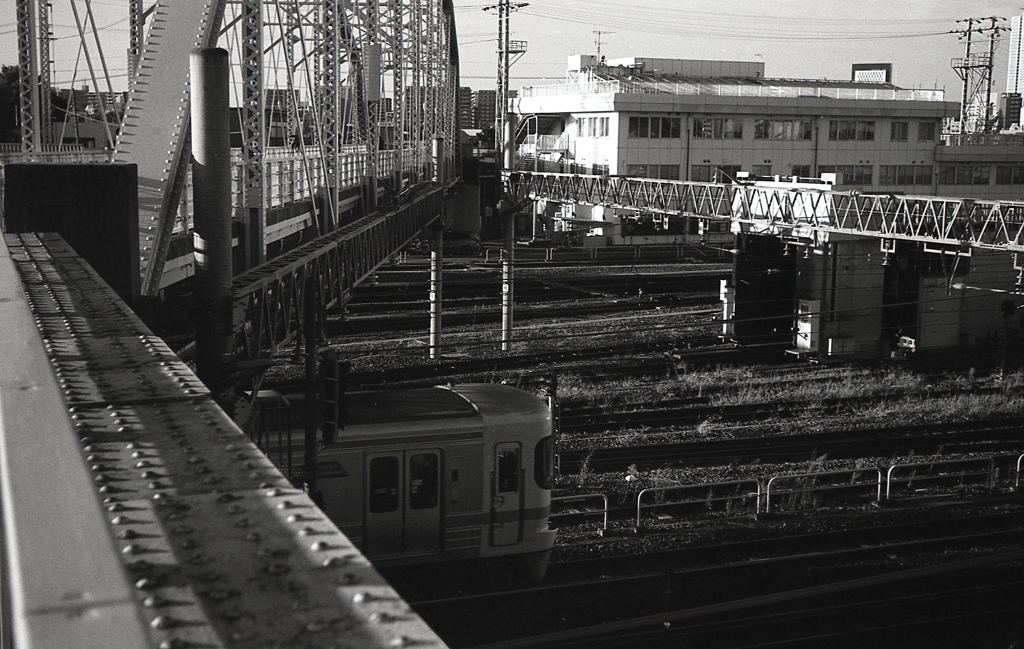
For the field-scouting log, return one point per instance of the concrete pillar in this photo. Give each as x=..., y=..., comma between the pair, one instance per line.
x=211, y=182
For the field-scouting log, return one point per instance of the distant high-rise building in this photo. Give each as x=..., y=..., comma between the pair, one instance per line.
x=1014, y=73
x=484, y=108
x=466, y=108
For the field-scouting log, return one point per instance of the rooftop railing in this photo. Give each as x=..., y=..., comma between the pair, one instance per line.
x=984, y=139
x=729, y=90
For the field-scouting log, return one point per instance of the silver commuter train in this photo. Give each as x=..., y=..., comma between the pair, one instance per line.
x=443, y=473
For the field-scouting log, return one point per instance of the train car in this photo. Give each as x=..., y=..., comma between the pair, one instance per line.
x=443, y=473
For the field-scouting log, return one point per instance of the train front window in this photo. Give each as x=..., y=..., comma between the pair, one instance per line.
x=508, y=470
x=384, y=475
x=544, y=462
x=423, y=482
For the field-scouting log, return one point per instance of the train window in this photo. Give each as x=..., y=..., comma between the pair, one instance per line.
x=508, y=470
x=384, y=472
x=544, y=463
x=423, y=481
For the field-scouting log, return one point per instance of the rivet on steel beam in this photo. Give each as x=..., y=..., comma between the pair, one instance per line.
x=164, y=622
x=307, y=531
x=254, y=537
x=286, y=504
x=116, y=507
x=133, y=548
x=320, y=546
x=147, y=583
x=128, y=535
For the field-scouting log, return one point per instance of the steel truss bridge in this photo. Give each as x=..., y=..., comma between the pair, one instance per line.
x=360, y=93
x=950, y=223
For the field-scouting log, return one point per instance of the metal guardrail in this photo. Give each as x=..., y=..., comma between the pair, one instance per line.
x=584, y=498
x=814, y=486
x=939, y=475
x=706, y=495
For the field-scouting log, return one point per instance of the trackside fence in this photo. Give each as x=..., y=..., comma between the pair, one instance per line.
x=857, y=487
x=738, y=498
x=580, y=505
x=933, y=479
x=822, y=489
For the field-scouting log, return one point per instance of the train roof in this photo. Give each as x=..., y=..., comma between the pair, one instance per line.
x=397, y=406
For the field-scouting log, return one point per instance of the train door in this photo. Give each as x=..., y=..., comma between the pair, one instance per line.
x=507, y=495
x=403, y=508
x=423, y=505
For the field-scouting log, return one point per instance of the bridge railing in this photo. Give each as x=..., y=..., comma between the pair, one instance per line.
x=291, y=175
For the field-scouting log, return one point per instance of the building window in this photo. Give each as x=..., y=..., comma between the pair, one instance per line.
x=782, y=129
x=802, y=171
x=662, y=172
x=898, y=131
x=843, y=129
x=655, y=127
x=848, y=174
x=1010, y=175
x=964, y=174
x=714, y=173
x=926, y=131
x=905, y=175
x=593, y=126
x=761, y=170
x=717, y=128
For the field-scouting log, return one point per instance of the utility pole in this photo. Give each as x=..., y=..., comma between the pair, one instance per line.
x=976, y=72
x=505, y=141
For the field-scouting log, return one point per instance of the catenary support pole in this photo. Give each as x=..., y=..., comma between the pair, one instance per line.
x=211, y=181
x=436, y=275
x=508, y=258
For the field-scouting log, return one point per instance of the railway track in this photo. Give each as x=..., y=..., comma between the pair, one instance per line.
x=695, y=350
x=692, y=410
x=985, y=436
x=744, y=576
x=383, y=320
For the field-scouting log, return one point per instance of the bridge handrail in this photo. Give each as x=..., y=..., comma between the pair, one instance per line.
x=63, y=580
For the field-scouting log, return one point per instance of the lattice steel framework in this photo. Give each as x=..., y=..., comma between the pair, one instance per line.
x=29, y=105
x=366, y=86
x=953, y=222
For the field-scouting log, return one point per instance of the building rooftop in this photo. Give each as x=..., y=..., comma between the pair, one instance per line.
x=721, y=78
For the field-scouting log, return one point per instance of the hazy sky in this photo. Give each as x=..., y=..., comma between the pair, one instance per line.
x=795, y=38
x=806, y=39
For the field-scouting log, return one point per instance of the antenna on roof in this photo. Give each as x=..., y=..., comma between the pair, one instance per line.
x=600, y=60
